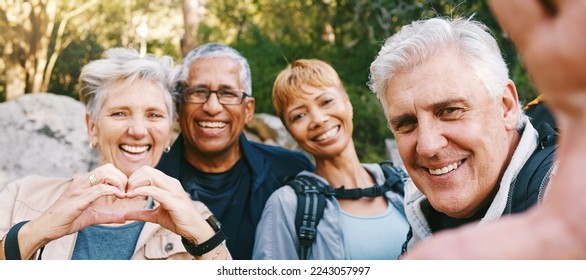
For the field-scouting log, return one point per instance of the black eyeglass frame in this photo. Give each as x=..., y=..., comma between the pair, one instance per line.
x=219, y=92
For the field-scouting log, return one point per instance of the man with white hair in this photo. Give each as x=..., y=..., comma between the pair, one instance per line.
x=459, y=127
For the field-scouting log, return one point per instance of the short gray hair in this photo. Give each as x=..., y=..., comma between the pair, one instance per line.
x=121, y=64
x=212, y=50
x=421, y=40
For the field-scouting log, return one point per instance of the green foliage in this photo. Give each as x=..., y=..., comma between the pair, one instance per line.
x=272, y=33
x=67, y=69
x=296, y=29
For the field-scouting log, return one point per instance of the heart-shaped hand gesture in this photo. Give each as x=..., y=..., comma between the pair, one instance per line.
x=174, y=211
x=71, y=212
x=76, y=208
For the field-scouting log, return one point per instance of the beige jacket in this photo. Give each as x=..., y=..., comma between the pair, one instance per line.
x=27, y=198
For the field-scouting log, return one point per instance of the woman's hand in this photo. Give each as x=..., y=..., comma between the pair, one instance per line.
x=72, y=211
x=175, y=210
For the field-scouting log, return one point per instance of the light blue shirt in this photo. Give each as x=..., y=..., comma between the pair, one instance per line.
x=100, y=242
x=377, y=237
x=276, y=234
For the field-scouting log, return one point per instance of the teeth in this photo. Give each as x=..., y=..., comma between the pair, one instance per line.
x=134, y=149
x=328, y=134
x=212, y=124
x=445, y=169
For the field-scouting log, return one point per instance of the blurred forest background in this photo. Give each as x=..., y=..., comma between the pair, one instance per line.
x=45, y=42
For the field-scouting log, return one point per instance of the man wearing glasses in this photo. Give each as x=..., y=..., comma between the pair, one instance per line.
x=212, y=158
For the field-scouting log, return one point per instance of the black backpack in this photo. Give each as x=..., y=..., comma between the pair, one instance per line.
x=530, y=183
x=538, y=112
x=311, y=200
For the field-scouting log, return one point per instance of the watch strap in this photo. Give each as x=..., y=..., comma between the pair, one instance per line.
x=11, y=247
x=213, y=242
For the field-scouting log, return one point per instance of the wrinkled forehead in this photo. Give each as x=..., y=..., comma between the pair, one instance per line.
x=440, y=79
x=213, y=70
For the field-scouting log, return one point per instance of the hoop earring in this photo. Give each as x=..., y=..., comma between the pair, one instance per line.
x=166, y=150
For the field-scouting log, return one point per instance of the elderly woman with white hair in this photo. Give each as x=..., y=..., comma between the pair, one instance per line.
x=125, y=208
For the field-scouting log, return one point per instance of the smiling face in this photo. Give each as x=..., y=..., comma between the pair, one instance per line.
x=212, y=129
x=454, y=139
x=320, y=120
x=133, y=126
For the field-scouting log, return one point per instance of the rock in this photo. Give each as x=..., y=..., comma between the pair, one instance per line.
x=43, y=134
x=393, y=152
x=270, y=130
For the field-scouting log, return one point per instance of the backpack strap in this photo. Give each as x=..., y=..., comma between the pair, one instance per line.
x=534, y=176
x=311, y=202
x=406, y=243
x=394, y=177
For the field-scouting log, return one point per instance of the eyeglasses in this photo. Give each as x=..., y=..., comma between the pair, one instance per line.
x=200, y=95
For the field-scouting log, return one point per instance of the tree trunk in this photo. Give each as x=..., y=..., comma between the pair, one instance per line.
x=29, y=29
x=15, y=50
x=193, y=11
x=15, y=79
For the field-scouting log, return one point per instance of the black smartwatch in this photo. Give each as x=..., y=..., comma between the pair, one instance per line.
x=200, y=249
